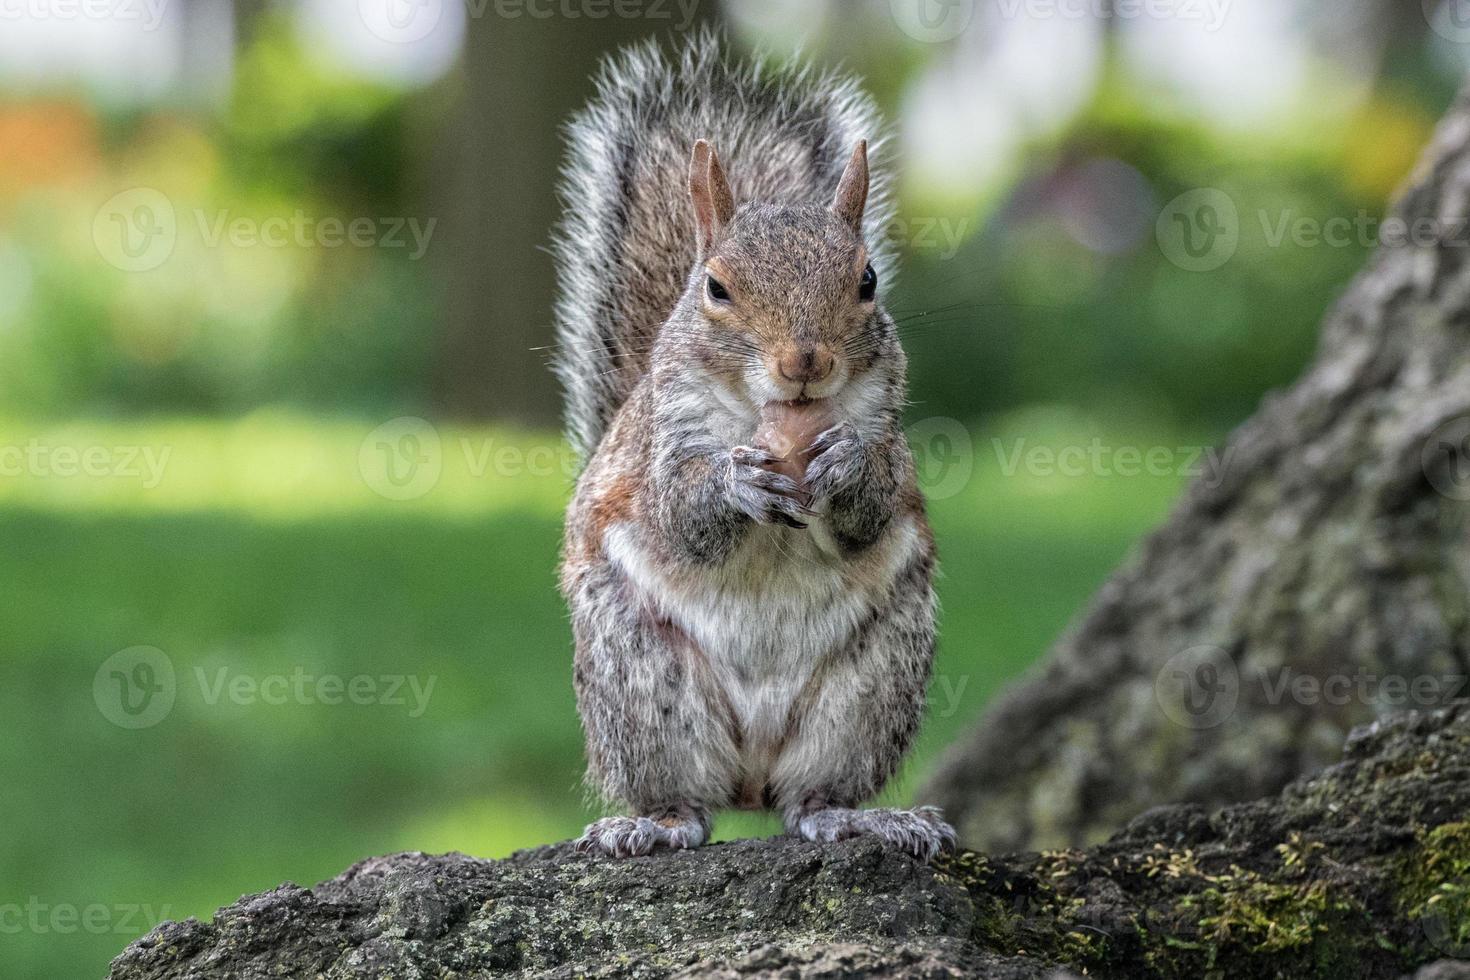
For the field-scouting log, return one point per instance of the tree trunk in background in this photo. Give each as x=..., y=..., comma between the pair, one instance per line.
x=1335, y=545
x=522, y=77
x=247, y=14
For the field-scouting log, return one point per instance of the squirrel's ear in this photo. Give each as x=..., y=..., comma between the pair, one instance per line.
x=709, y=190
x=852, y=190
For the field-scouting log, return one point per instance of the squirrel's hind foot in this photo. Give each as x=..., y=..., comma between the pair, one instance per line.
x=921, y=832
x=675, y=828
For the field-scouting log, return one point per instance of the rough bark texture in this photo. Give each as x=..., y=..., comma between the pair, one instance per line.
x=1336, y=546
x=1362, y=872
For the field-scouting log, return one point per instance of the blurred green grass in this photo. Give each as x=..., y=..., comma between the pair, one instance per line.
x=264, y=550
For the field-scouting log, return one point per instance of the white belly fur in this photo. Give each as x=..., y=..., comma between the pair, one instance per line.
x=767, y=618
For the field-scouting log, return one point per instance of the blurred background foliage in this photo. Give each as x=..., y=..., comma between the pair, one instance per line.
x=1036, y=155
x=1040, y=146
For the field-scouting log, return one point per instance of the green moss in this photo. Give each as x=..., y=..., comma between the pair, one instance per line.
x=1025, y=915
x=1435, y=887
x=1290, y=919
x=1264, y=917
x=1243, y=923
x=1443, y=857
x=1300, y=918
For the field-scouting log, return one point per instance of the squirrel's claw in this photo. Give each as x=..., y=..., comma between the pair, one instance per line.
x=753, y=456
x=785, y=510
x=841, y=432
x=837, y=462
x=776, y=483
x=921, y=832
x=624, y=837
x=763, y=495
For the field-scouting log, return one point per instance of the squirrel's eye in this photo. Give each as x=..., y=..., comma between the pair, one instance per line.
x=868, y=288
x=716, y=290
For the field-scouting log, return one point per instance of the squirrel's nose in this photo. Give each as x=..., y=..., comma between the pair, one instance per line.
x=806, y=365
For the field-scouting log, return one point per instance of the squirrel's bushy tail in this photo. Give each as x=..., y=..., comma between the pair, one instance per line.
x=626, y=244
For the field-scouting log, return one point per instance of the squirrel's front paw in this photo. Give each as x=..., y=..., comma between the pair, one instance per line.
x=762, y=494
x=625, y=837
x=837, y=461
x=921, y=832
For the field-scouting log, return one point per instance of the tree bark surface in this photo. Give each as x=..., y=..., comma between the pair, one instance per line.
x=1323, y=581
x=1362, y=872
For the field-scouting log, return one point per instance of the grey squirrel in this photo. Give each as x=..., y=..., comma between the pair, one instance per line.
x=747, y=558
